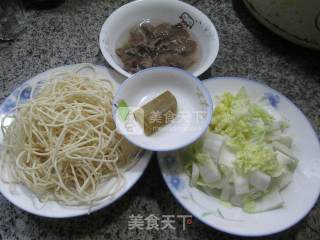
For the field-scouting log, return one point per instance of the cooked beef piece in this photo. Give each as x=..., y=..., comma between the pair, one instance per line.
x=162, y=31
x=190, y=46
x=147, y=29
x=179, y=33
x=173, y=60
x=136, y=37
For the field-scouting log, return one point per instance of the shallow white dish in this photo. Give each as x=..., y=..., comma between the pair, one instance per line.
x=115, y=30
x=24, y=199
x=300, y=195
x=193, y=101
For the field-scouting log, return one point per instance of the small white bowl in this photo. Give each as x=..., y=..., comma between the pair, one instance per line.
x=194, y=108
x=115, y=30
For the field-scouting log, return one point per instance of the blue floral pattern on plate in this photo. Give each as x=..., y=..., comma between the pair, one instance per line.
x=273, y=99
x=175, y=181
x=25, y=94
x=9, y=104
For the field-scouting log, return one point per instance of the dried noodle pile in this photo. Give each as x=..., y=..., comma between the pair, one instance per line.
x=63, y=144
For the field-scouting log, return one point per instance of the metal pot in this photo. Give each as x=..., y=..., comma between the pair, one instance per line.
x=296, y=20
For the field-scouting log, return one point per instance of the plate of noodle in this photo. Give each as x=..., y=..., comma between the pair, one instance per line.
x=61, y=155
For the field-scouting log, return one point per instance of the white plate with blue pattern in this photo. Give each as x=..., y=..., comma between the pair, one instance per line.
x=25, y=199
x=299, y=197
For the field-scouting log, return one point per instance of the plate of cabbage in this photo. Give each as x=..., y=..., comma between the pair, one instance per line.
x=256, y=170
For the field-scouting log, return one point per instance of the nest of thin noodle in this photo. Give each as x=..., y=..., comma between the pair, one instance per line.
x=63, y=144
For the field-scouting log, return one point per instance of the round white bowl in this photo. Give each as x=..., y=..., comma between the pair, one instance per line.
x=115, y=30
x=194, y=108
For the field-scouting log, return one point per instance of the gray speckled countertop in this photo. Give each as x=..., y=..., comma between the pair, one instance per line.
x=69, y=34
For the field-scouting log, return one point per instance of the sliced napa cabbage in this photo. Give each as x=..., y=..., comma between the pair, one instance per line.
x=206, y=190
x=255, y=194
x=241, y=184
x=240, y=103
x=188, y=155
x=207, y=168
x=226, y=192
x=281, y=148
x=284, y=139
x=226, y=161
x=227, y=119
x=285, y=160
x=220, y=184
x=283, y=180
x=194, y=174
x=269, y=201
x=256, y=157
x=278, y=122
x=259, y=180
x=246, y=157
x=236, y=117
x=237, y=200
x=212, y=144
x=259, y=112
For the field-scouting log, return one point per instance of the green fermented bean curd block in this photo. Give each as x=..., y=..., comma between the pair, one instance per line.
x=157, y=113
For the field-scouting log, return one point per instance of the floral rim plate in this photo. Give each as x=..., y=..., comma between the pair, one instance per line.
x=299, y=197
x=24, y=199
